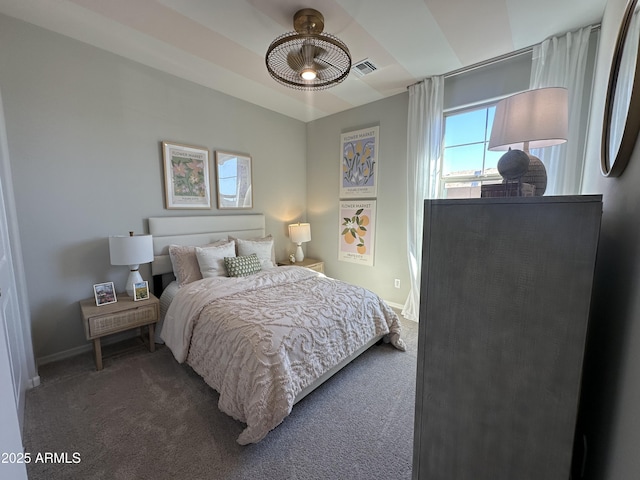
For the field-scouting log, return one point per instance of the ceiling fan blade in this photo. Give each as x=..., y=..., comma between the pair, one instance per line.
x=295, y=60
x=306, y=56
x=313, y=51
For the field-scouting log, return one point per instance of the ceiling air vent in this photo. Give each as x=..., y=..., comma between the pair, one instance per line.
x=364, y=67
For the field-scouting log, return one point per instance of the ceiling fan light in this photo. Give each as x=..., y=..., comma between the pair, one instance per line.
x=308, y=59
x=308, y=74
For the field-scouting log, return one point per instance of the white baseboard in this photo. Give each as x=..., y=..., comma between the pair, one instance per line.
x=394, y=305
x=54, y=357
x=399, y=308
x=72, y=352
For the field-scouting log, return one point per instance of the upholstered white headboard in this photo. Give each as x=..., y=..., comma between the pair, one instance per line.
x=197, y=230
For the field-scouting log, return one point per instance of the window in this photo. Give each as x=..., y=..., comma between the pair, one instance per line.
x=466, y=162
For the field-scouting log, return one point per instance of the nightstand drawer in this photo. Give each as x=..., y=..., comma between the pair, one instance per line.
x=116, y=322
x=318, y=267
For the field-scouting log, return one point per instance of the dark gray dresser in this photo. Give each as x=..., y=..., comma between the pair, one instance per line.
x=504, y=305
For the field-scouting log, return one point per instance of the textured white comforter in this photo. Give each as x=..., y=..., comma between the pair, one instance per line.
x=260, y=340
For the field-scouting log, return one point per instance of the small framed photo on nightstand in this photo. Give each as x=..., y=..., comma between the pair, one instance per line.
x=140, y=291
x=104, y=293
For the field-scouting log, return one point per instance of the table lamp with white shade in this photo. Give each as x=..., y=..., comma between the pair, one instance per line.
x=300, y=233
x=131, y=250
x=533, y=119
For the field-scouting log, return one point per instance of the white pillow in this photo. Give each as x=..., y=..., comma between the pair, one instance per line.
x=267, y=239
x=211, y=259
x=184, y=262
x=263, y=248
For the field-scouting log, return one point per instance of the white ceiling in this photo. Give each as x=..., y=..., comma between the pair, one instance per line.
x=221, y=43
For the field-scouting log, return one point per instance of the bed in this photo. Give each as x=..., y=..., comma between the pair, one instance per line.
x=261, y=335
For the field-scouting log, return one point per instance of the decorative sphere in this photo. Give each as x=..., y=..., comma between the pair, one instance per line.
x=513, y=164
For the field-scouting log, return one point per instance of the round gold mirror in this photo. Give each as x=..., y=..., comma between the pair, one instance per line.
x=622, y=108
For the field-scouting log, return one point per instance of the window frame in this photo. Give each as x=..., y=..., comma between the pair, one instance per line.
x=466, y=179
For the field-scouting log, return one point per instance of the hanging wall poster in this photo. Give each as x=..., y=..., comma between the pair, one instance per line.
x=186, y=176
x=357, y=231
x=359, y=166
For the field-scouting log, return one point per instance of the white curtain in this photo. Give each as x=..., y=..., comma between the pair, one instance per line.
x=561, y=62
x=424, y=150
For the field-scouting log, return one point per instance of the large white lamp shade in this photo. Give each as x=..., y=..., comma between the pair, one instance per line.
x=131, y=250
x=532, y=119
x=300, y=233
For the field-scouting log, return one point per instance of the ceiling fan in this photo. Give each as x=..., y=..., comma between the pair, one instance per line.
x=308, y=59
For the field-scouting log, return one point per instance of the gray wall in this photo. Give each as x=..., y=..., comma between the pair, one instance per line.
x=84, y=130
x=324, y=163
x=610, y=411
x=323, y=197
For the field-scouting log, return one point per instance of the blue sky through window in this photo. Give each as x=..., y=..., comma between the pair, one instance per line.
x=465, y=141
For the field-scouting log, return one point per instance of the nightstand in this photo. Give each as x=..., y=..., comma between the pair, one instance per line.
x=312, y=263
x=123, y=315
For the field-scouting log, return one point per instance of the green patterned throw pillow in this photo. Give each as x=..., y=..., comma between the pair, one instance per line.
x=242, y=265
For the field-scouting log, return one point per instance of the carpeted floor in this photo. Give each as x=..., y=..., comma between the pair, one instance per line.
x=147, y=417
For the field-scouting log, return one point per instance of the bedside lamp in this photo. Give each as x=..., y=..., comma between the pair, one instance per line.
x=299, y=233
x=131, y=250
x=532, y=119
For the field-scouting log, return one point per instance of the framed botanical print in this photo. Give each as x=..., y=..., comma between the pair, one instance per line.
x=357, y=228
x=186, y=176
x=359, y=163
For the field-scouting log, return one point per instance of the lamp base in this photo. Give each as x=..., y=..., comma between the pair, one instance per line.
x=536, y=175
x=134, y=277
x=519, y=167
x=513, y=165
x=299, y=253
